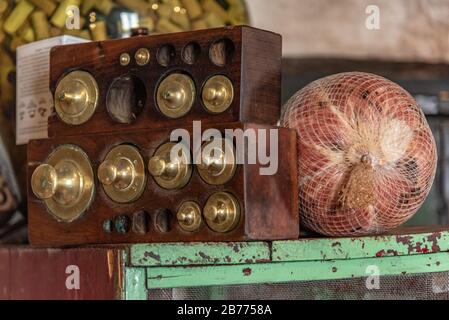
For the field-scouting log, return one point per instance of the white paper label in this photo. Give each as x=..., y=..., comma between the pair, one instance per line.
x=34, y=102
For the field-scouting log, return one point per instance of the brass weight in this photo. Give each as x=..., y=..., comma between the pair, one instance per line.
x=218, y=93
x=125, y=59
x=65, y=183
x=76, y=97
x=168, y=172
x=222, y=212
x=142, y=57
x=175, y=95
x=189, y=216
x=122, y=174
x=217, y=163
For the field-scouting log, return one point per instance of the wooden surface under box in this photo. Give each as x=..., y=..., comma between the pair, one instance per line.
x=30, y=273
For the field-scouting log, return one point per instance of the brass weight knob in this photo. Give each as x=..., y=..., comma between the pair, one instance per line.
x=175, y=95
x=122, y=174
x=217, y=163
x=170, y=170
x=76, y=97
x=64, y=182
x=218, y=93
x=125, y=59
x=142, y=57
x=118, y=172
x=222, y=212
x=44, y=181
x=189, y=216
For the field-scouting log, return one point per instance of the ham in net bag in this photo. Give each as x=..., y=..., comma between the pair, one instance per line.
x=367, y=157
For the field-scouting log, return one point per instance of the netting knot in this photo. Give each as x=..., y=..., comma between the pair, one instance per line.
x=358, y=190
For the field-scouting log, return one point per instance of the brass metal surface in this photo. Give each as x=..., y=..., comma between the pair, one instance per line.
x=189, y=216
x=217, y=162
x=222, y=212
x=125, y=59
x=142, y=56
x=76, y=97
x=44, y=181
x=122, y=174
x=175, y=95
x=65, y=182
x=218, y=93
x=170, y=171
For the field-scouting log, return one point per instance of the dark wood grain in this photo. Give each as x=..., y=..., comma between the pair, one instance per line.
x=30, y=273
x=269, y=202
x=5, y=272
x=254, y=69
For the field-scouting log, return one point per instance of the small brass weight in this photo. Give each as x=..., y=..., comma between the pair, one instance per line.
x=175, y=95
x=189, y=216
x=142, y=56
x=170, y=171
x=222, y=212
x=218, y=162
x=76, y=97
x=218, y=94
x=122, y=174
x=65, y=182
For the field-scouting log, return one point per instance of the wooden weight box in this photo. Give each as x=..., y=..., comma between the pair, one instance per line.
x=125, y=187
x=218, y=75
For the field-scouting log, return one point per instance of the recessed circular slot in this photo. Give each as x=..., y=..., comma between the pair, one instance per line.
x=140, y=222
x=126, y=98
x=122, y=224
x=163, y=220
x=191, y=53
x=108, y=226
x=221, y=52
x=165, y=55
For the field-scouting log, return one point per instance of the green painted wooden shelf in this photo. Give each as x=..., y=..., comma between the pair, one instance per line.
x=181, y=265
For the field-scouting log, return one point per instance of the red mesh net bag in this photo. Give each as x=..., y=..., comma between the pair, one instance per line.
x=367, y=157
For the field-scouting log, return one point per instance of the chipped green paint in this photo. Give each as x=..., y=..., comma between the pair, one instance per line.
x=275, y=272
x=173, y=265
x=182, y=254
x=135, y=284
x=362, y=247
